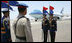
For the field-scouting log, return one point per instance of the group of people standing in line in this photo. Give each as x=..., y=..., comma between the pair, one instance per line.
x=51, y=25
x=22, y=26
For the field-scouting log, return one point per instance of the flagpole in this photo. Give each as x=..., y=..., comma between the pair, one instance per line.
x=9, y=13
x=9, y=21
x=50, y=24
x=49, y=9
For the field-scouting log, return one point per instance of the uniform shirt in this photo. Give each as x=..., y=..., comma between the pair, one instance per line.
x=46, y=26
x=4, y=24
x=54, y=28
x=2, y=21
x=23, y=28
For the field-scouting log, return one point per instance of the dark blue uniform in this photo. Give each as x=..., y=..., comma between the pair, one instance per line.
x=45, y=28
x=5, y=32
x=53, y=29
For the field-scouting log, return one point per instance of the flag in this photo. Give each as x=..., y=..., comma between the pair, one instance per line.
x=45, y=12
x=10, y=3
x=51, y=12
x=51, y=8
x=44, y=8
x=13, y=3
x=5, y=1
x=4, y=5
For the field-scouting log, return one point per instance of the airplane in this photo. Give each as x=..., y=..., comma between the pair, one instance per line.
x=37, y=14
x=62, y=16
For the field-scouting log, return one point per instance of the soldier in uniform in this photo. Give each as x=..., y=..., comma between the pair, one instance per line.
x=5, y=26
x=53, y=27
x=45, y=27
x=22, y=27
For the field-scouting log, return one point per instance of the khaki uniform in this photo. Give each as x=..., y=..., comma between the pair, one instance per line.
x=23, y=29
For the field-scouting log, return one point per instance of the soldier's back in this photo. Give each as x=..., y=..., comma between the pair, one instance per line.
x=21, y=26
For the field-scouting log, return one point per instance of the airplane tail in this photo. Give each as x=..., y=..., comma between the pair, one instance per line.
x=62, y=11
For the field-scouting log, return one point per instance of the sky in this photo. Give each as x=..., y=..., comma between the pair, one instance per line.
x=38, y=5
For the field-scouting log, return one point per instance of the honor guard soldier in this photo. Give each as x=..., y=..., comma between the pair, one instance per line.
x=22, y=26
x=53, y=27
x=5, y=25
x=45, y=27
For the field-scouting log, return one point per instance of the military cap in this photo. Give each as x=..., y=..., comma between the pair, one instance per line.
x=22, y=5
x=5, y=9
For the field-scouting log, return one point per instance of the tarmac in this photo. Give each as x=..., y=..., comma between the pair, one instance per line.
x=63, y=33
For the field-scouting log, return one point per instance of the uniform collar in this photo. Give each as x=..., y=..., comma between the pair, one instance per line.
x=3, y=17
x=52, y=18
x=20, y=15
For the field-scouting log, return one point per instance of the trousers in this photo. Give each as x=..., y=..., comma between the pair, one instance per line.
x=52, y=34
x=45, y=32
